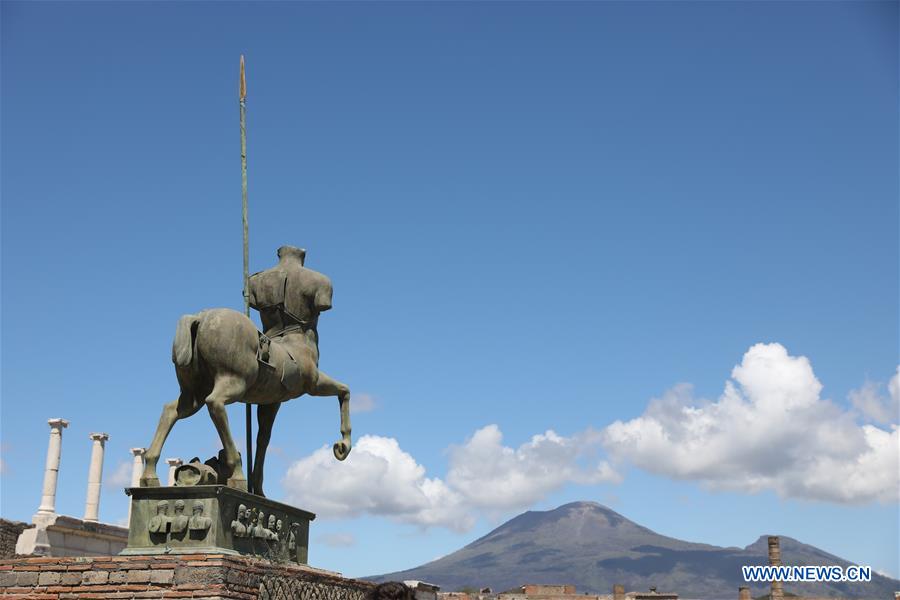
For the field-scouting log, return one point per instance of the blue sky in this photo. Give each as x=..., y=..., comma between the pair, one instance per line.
x=536, y=217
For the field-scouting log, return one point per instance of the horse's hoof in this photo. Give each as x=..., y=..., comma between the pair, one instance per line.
x=149, y=481
x=341, y=450
x=238, y=484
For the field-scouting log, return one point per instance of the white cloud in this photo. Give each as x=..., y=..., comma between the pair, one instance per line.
x=377, y=478
x=492, y=476
x=121, y=476
x=484, y=476
x=337, y=540
x=362, y=402
x=768, y=430
x=894, y=386
x=873, y=405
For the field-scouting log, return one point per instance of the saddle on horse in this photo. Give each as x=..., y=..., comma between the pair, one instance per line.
x=276, y=361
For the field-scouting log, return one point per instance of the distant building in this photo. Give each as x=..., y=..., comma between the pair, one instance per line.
x=462, y=596
x=423, y=590
x=652, y=595
x=52, y=534
x=532, y=590
x=542, y=591
x=558, y=592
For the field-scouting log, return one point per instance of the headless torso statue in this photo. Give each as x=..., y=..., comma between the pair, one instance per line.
x=289, y=298
x=221, y=358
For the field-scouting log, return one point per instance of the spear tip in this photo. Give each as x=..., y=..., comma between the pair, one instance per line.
x=243, y=88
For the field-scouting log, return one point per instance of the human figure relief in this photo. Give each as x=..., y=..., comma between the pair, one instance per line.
x=179, y=520
x=270, y=530
x=260, y=531
x=239, y=525
x=198, y=521
x=160, y=522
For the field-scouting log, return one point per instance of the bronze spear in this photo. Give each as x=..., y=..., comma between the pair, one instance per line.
x=242, y=95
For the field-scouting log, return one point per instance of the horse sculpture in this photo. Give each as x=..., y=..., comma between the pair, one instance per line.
x=220, y=358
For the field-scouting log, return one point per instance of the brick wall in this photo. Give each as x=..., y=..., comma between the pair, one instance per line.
x=548, y=590
x=210, y=577
x=9, y=533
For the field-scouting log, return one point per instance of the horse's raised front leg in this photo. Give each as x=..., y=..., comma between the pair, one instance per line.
x=265, y=416
x=226, y=390
x=182, y=408
x=326, y=386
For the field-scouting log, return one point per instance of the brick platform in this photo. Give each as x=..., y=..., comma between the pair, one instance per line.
x=202, y=576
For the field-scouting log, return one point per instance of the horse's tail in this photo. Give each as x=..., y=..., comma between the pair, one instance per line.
x=183, y=346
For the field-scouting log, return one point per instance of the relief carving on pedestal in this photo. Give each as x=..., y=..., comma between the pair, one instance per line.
x=198, y=522
x=164, y=527
x=265, y=535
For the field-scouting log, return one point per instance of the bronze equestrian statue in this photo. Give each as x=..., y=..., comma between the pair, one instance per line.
x=221, y=358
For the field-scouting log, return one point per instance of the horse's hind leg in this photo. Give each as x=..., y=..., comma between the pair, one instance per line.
x=326, y=386
x=181, y=408
x=226, y=390
x=265, y=416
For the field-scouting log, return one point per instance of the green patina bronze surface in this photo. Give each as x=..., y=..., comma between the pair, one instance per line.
x=220, y=358
x=215, y=519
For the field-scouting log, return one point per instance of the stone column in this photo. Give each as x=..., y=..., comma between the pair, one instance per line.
x=95, y=476
x=618, y=592
x=775, y=561
x=174, y=463
x=137, y=467
x=744, y=593
x=51, y=470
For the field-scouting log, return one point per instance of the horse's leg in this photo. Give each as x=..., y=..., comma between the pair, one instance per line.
x=226, y=390
x=265, y=417
x=326, y=386
x=182, y=408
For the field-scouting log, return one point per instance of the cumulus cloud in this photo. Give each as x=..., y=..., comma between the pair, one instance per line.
x=121, y=476
x=362, y=402
x=377, y=478
x=873, y=405
x=484, y=476
x=492, y=476
x=770, y=429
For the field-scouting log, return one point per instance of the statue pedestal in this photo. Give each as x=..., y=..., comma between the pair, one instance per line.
x=215, y=519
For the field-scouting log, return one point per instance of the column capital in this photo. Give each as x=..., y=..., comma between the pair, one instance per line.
x=138, y=451
x=57, y=423
x=99, y=437
x=174, y=462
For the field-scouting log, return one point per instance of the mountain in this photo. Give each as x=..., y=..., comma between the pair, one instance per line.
x=593, y=547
